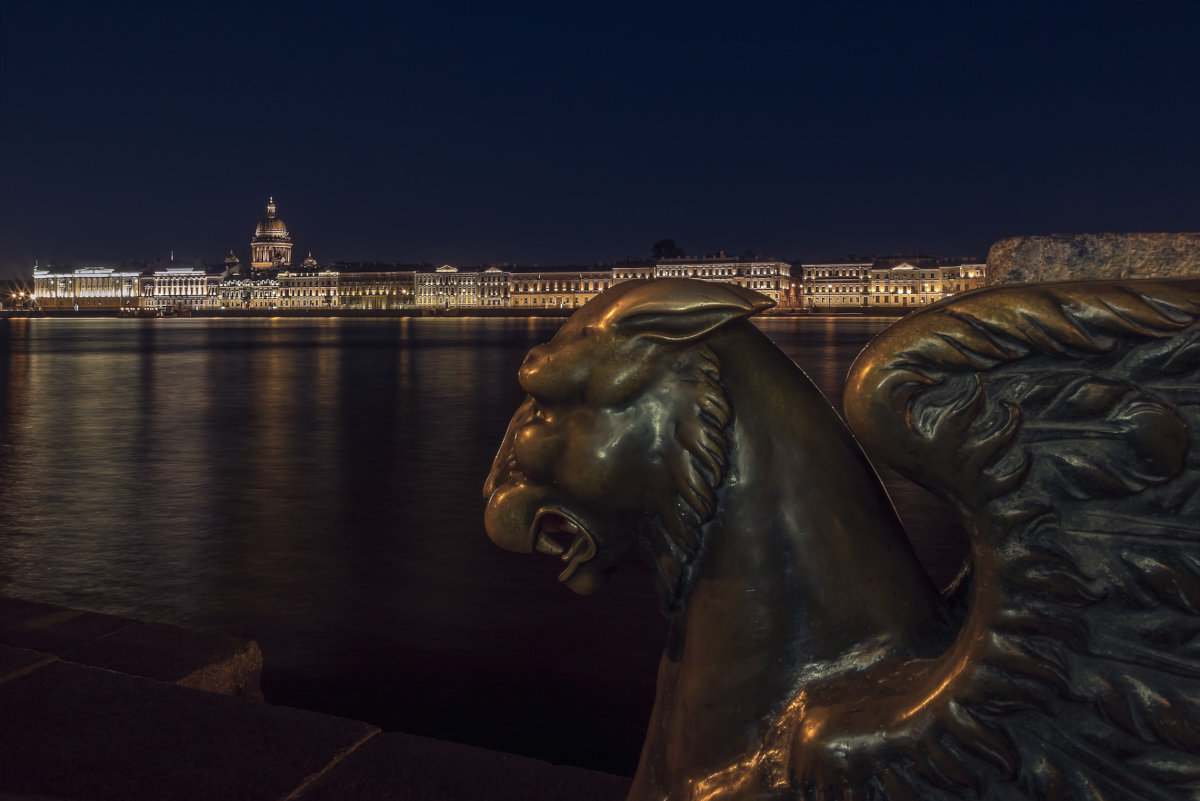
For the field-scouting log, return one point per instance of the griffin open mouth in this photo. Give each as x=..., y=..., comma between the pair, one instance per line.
x=551, y=528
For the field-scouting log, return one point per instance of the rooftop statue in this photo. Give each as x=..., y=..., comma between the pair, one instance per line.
x=808, y=654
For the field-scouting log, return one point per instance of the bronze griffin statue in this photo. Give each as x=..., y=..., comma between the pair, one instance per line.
x=808, y=655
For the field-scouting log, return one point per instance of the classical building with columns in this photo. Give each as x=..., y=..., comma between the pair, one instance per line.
x=560, y=289
x=180, y=287
x=835, y=286
x=447, y=288
x=86, y=289
x=913, y=283
x=310, y=287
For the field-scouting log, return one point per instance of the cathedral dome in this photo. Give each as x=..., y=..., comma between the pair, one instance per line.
x=271, y=247
x=271, y=227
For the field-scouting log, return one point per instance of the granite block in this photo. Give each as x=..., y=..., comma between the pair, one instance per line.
x=16, y=662
x=52, y=629
x=396, y=766
x=201, y=660
x=82, y=732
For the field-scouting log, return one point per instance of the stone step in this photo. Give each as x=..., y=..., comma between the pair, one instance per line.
x=201, y=660
x=85, y=733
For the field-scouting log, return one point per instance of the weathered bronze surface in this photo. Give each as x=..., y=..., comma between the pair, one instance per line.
x=808, y=655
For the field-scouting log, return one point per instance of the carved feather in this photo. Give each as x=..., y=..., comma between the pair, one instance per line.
x=1063, y=420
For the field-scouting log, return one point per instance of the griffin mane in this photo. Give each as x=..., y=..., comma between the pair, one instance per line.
x=697, y=469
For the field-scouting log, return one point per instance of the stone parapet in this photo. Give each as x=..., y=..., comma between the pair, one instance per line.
x=1069, y=257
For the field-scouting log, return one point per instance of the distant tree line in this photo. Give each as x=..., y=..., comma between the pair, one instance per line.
x=666, y=249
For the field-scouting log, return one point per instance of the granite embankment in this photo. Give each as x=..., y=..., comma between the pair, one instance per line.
x=96, y=707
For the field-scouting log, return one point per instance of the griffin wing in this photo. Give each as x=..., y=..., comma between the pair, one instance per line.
x=1064, y=422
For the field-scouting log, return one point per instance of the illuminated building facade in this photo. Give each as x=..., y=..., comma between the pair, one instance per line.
x=86, y=289
x=180, y=288
x=905, y=284
x=377, y=290
x=835, y=286
x=632, y=272
x=447, y=288
x=260, y=294
x=271, y=247
x=770, y=278
x=885, y=285
x=962, y=278
x=557, y=290
x=495, y=286
x=308, y=288
x=909, y=283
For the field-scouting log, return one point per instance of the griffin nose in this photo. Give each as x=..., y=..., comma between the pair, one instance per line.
x=532, y=365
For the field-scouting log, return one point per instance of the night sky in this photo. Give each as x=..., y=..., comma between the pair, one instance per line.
x=580, y=133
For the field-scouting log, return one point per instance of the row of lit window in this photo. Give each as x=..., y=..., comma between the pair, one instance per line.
x=907, y=288
x=835, y=273
x=592, y=286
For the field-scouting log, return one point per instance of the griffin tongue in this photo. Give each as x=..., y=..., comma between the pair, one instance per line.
x=546, y=545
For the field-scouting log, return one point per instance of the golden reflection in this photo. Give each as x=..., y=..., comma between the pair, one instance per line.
x=768, y=767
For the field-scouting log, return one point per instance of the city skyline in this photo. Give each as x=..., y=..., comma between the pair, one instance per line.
x=551, y=135
x=271, y=249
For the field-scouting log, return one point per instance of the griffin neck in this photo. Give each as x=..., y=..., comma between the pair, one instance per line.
x=805, y=571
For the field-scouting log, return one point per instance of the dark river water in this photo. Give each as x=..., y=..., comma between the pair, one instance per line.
x=315, y=485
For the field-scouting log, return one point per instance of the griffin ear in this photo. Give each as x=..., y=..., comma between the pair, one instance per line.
x=681, y=309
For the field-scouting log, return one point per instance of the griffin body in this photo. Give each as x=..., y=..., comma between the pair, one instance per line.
x=808, y=655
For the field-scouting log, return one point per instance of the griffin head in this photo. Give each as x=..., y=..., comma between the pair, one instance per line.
x=626, y=383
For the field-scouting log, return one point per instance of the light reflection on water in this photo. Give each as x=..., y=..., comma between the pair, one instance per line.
x=315, y=484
